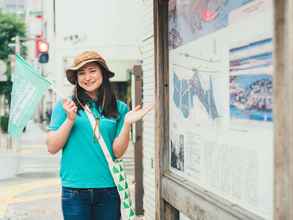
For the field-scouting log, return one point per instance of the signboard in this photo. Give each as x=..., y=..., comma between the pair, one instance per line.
x=221, y=124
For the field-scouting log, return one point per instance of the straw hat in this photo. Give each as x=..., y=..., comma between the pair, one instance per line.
x=84, y=58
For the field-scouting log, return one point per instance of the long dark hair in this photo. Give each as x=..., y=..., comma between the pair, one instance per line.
x=106, y=99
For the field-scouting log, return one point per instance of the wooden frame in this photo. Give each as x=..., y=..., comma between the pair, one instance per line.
x=161, y=119
x=138, y=148
x=174, y=195
x=283, y=110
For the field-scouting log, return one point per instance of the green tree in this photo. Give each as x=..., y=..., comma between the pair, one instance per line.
x=10, y=26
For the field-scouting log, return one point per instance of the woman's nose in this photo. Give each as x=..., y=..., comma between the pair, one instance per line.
x=87, y=76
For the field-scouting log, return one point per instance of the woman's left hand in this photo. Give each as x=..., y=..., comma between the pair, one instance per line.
x=137, y=113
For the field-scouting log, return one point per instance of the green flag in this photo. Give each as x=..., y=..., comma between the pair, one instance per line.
x=27, y=90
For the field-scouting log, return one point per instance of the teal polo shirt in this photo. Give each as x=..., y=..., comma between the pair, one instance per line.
x=83, y=164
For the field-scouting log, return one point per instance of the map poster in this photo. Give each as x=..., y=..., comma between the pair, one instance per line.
x=220, y=95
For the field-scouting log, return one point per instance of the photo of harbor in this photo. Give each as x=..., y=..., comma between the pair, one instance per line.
x=251, y=97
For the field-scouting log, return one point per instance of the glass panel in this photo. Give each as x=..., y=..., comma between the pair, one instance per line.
x=221, y=125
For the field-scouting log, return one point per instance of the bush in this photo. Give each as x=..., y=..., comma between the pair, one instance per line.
x=4, y=123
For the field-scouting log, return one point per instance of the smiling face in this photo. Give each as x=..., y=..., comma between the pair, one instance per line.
x=90, y=78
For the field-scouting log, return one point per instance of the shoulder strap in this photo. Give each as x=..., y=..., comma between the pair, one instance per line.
x=98, y=135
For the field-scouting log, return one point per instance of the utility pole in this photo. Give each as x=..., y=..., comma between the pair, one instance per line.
x=12, y=61
x=17, y=45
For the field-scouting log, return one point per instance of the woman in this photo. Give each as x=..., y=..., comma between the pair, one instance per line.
x=88, y=189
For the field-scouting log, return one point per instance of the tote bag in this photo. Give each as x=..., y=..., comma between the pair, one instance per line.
x=117, y=170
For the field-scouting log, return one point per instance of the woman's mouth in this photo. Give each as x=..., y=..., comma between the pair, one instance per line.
x=88, y=83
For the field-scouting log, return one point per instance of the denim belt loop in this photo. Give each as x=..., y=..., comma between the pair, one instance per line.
x=92, y=192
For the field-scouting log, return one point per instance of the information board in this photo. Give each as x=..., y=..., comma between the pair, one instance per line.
x=221, y=124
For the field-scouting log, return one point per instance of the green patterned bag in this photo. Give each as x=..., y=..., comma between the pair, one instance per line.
x=117, y=170
x=118, y=173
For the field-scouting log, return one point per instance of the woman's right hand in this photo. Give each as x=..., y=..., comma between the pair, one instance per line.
x=70, y=108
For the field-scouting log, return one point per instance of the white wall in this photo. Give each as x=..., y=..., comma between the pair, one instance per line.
x=111, y=27
x=111, y=22
x=149, y=120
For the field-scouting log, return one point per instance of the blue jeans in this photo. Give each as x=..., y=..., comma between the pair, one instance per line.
x=90, y=204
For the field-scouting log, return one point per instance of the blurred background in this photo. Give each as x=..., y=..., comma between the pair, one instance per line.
x=48, y=34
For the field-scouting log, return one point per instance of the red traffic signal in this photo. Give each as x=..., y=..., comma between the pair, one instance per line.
x=42, y=48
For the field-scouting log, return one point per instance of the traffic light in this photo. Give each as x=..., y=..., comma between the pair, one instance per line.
x=44, y=58
x=42, y=49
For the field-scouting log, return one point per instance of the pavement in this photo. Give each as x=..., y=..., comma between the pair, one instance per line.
x=34, y=194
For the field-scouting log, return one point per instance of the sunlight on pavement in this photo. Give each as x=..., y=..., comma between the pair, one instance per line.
x=34, y=198
x=8, y=197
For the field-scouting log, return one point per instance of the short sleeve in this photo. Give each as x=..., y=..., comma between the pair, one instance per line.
x=58, y=117
x=122, y=110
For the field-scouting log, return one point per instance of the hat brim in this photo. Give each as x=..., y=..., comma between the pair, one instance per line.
x=71, y=72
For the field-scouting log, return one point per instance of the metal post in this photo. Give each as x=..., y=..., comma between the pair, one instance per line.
x=17, y=45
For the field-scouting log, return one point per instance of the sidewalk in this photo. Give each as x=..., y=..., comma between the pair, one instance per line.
x=31, y=197
x=35, y=193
